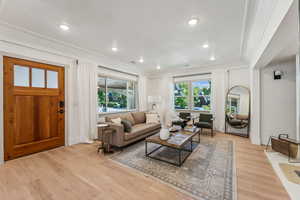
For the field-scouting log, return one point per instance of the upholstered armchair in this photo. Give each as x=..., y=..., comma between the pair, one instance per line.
x=184, y=119
x=205, y=121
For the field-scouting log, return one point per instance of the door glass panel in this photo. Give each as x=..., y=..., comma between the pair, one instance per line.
x=52, y=79
x=21, y=76
x=38, y=77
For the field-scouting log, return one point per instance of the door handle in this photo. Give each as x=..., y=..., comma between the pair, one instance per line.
x=61, y=111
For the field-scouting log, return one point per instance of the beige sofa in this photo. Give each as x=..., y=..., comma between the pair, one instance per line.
x=139, y=130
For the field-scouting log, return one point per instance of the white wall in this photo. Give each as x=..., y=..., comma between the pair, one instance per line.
x=222, y=79
x=161, y=86
x=142, y=92
x=219, y=89
x=278, y=101
x=239, y=77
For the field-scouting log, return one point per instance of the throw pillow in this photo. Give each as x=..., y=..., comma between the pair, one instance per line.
x=139, y=117
x=127, y=125
x=128, y=116
x=152, y=119
x=116, y=120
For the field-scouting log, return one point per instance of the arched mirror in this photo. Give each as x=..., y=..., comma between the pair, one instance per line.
x=237, y=111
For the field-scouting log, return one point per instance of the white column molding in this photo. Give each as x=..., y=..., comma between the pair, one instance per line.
x=298, y=96
x=298, y=101
x=255, y=133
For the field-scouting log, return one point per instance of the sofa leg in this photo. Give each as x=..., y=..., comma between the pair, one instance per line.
x=212, y=132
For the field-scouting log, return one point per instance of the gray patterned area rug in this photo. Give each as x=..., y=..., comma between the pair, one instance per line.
x=207, y=174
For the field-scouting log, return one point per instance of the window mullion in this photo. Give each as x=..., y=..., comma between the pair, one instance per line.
x=190, y=95
x=136, y=98
x=106, y=95
x=127, y=94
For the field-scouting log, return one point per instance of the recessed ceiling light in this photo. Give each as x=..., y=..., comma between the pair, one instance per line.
x=193, y=22
x=114, y=49
x=212, y=58
x=64, y=27
x=158, y=67
x=205, y=46
x=141, y=60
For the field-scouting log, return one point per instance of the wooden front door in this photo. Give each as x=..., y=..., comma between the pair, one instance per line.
x=33, y=107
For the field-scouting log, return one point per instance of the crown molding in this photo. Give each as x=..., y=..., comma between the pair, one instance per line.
x=203, y=69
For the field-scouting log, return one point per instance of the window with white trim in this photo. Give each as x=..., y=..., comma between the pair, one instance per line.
x=116, y=95
x=192, y=95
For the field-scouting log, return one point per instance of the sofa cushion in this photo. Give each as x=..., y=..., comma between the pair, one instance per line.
x=126, y=116
x=129, y=117
x=140, y=129
x=152, y=118
x=109, y=118
x=116, y=120
x=127, y=125
x=139, y=117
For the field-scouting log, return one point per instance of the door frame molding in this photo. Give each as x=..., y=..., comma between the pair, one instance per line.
x=66, y=66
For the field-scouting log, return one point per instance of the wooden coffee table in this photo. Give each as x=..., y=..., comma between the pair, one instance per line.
x=177, y=141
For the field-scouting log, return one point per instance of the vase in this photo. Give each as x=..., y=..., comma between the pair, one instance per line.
x=164, y=134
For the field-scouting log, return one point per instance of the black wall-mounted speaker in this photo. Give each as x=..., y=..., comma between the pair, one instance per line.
x=277, y=74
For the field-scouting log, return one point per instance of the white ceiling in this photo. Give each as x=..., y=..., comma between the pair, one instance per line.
x=154, y=29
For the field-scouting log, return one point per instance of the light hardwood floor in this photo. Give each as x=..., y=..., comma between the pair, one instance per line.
x=78, y=172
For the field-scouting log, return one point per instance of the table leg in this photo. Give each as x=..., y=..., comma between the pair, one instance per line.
x=289, y=148
x=101, y=139
x=108, y=143
x=146, y=153
x=179, y=157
